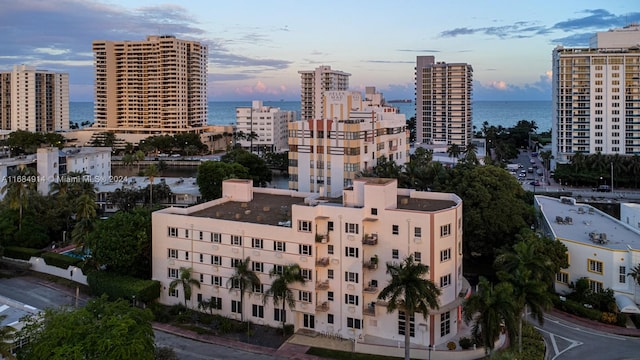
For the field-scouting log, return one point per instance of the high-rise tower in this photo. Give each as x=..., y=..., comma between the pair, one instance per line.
x=155, y=85
x=443, y=102
x=314, y=84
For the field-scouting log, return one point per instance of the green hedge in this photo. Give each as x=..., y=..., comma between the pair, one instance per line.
x=123, y=287
x=60, y=260
x=14, y=252
x=578, y=309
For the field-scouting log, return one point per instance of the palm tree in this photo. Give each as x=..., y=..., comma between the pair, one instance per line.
x=243, y=278
x=635, y=274
x=186, y=282
x=6, y=340
x=526, y=253
x=18, y=189
x=410, y=292
x=454, y=151
x=151, y=172
x=471, y=153
x=280, y=290
x=138, y=156
x=490, y=308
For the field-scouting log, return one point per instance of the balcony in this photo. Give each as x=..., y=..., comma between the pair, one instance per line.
x=370, y=239
x=371, y=264
x=324, y=307
x=322, y=261
x=369, y=309
x=322, y=285
x=322, y=238
x=372, y=287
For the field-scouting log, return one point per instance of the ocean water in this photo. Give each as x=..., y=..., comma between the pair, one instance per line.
x=505, y=113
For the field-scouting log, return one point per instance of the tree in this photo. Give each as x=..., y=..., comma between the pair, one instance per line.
x=18, y=188
x=138, y=156
x=85, y=211
x=186, y=282
x=280, y=291
x=257, y=167
x=635, y=274
x=212, y=173
x=244, y=279
x=122, y=243
x=6, y=340
x=454, y=151
x=100, y=330
x=489, y=308
x=151, y=172
x=410, y=292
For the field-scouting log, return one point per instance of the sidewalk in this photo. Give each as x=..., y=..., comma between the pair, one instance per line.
x=595, y=325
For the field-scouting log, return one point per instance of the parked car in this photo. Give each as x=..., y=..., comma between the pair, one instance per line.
x=604, y=188
x=535, y=183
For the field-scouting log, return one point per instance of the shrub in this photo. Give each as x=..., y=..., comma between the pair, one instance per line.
x=21, y=253
x=123, y=287
x=60, y=260
x=621, y=319
x=451, y=345
x=225, y=326
x=608, y=318
x=465, y=343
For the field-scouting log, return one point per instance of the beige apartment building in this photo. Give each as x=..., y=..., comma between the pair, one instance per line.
x=269, y=125
x=314, y=84
x=158, y=85
x=341, y=243
x=351, y=135
x=443, y=102
x=34, y=100
x=596, y=96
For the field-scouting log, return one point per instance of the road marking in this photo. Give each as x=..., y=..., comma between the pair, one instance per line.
x=556, y=351
x=591, y=332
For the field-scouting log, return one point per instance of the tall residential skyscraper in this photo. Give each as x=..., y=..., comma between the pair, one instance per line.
x=155, y=85
x=313, y=86
x=443, y=102
x=34, y=100
x=596, y=96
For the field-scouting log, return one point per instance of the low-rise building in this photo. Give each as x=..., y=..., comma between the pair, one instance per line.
x=600, y=247
x=341, y=243
x=265, y=127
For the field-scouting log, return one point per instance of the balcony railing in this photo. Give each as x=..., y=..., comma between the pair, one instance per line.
x=370, y=239
x=323, y=307
x=322, y=261
x=322, y=238
x=322, y=285
x=369, y=309
x=371, y=288
x=371, y=264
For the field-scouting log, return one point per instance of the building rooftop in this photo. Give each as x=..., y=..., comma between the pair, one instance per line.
x=407, y=203
x=583, y=223
x=177, y=185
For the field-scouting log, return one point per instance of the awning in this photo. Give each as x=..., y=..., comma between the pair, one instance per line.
x=626, y=305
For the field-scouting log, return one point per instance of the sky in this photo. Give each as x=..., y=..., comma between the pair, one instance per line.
x=257, y=47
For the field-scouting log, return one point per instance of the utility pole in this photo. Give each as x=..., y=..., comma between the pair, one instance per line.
x=612, y=176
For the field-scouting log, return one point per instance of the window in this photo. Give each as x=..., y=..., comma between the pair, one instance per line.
x=304, y=225
x=351, y=228
x=173, y=292
x=445, y=230
x=306, y=274
x=351, y=251
x=353, y=323
x=351, y=299
x=330, y=296
x=330, y=249
x=395, y=229
x=201, y=257
x=173, y=232
x=216, y=280
x=216, y=237
x=216, y=303
x=304, y=249
x=394, y=253
x=236, y=240
x=351, y=277
x=330, y=226
x=201, y=235
x=309, y=321
x=595, y=286
x=402, y=324
x=186, y=255
x=256, y=243
x=173, y=273
x=304, y=296
x=445, y=323
x=374, y=211
x=235, y=307
x=186, y=233
x=417, y=232
x=201, y=278
x=258, y=288
x=562, y=277
x=417, y=256
x=257, y=311
x=329, y=318
x=216, y=260
x=280, y=315
x=623, y=274
x=595, y=266
x=445, y=280
x=279, y=246
x=445, y=255
x=257, y=266
x=172, y=253
x=235, y=262
x=330, y=273
x=278, y=269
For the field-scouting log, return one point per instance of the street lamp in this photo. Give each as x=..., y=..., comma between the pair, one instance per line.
x=430, y=352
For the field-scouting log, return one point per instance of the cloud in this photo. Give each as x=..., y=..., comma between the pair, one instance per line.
x=520, y=29
x=500, y=90
x=419, y=51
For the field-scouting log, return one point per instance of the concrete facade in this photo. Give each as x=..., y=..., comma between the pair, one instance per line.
x=270, y=125
x=341, y=244
x=313, y=85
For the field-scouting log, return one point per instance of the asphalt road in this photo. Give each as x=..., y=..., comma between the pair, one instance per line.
x=567, y=341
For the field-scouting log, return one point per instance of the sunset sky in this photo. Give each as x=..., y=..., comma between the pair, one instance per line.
x=256, y=48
